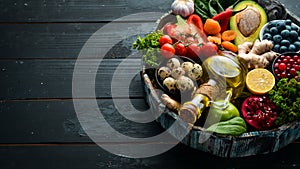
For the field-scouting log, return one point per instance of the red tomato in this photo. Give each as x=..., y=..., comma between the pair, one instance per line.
x=165, y=39
x=167, y=50
x=193, y=51
x=180, y=49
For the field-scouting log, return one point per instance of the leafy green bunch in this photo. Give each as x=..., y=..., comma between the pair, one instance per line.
x=286, y=96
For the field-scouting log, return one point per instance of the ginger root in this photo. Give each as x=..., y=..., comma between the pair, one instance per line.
x=170, y=103
x=258, y=54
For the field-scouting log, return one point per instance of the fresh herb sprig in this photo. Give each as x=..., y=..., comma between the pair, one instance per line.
x=151, y=40
x=286, y=96
x=150, y=48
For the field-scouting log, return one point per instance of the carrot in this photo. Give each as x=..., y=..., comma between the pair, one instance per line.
x=212, y=27
x=229, y=46
x=228, y=35
x=215, y=39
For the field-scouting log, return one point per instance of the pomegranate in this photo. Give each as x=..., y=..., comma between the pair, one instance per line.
x=259, y=112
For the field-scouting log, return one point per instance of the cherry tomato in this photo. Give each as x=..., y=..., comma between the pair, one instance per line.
x=180, y=49
x=167, y=50
x=165, y=39
x=193, y=51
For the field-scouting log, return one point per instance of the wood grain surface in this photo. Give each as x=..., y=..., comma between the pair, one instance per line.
x=40, y=43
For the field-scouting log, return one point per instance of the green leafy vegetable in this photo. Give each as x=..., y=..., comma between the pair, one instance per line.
x=150, y=46
x=286, y=96
x=151, y=40
x=152, y=57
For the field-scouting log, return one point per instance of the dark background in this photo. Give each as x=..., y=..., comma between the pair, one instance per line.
x=40, y=42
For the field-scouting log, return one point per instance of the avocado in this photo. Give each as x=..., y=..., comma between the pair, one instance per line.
x=248, y=23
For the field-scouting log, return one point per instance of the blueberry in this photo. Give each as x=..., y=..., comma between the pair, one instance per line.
x=292, y=48
x=273, y=30
x=267, y=30
x=280, y=25
x=289, y=28
x=271, y=24
x=297, y=45
x=277, y=39
x=285, y=42
x=267, y=36
x=285, y=33
x=294, y=35
x=276, y=48
x=288, y=22
x=294, y=27
x=283, y=49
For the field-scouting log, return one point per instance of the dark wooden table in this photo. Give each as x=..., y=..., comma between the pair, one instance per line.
x=40, y=44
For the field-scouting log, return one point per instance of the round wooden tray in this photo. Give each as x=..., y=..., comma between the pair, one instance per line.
x=247, y=144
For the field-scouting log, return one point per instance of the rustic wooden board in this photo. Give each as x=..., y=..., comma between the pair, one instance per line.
x=90, y=156
x=55, y=121
x=65, y=40
x=25, y=79
x=76, y=10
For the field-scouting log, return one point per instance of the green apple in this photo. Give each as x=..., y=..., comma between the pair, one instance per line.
x=223, y=113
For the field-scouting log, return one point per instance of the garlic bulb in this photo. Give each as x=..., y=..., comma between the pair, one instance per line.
x=183, y=7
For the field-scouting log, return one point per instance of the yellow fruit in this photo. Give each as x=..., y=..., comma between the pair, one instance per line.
x=260, y=81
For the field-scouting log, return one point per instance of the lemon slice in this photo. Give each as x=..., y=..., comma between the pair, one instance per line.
x=259, y=81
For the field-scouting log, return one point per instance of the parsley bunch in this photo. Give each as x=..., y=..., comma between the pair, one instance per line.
x=286, y=96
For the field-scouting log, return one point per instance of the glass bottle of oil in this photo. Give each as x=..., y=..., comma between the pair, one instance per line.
x=226, y=75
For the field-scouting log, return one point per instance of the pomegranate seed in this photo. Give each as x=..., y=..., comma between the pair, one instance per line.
x=297, y=67
x=288, y=57
x=276, y=65
x=279, y=61
x=283, y=75
x=285, y=60
x=295, y=57
x=298, y=61
x=282, y=66
x=291, y=61
x=282, y=57
x=293, y=71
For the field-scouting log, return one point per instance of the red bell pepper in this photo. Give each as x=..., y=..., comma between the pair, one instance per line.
x=196, y=20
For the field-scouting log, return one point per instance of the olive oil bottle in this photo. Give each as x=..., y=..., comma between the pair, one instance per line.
x=226, y=76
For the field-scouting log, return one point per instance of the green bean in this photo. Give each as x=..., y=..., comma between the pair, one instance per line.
x=201, y=13
x=202, y=4
x=211, y=8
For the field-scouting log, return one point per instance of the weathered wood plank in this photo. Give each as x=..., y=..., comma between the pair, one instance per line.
x=31, y=79
x=94, y=157
x=66, y=40
x=76, y=10
x=55, y=121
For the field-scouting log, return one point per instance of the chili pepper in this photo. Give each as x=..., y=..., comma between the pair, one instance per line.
x=226, y=14
x=224, y=24
x=196, y=20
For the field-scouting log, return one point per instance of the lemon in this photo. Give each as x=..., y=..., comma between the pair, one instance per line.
x=260, y=81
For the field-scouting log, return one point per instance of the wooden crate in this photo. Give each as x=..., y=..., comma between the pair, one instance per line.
x=247, y=144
